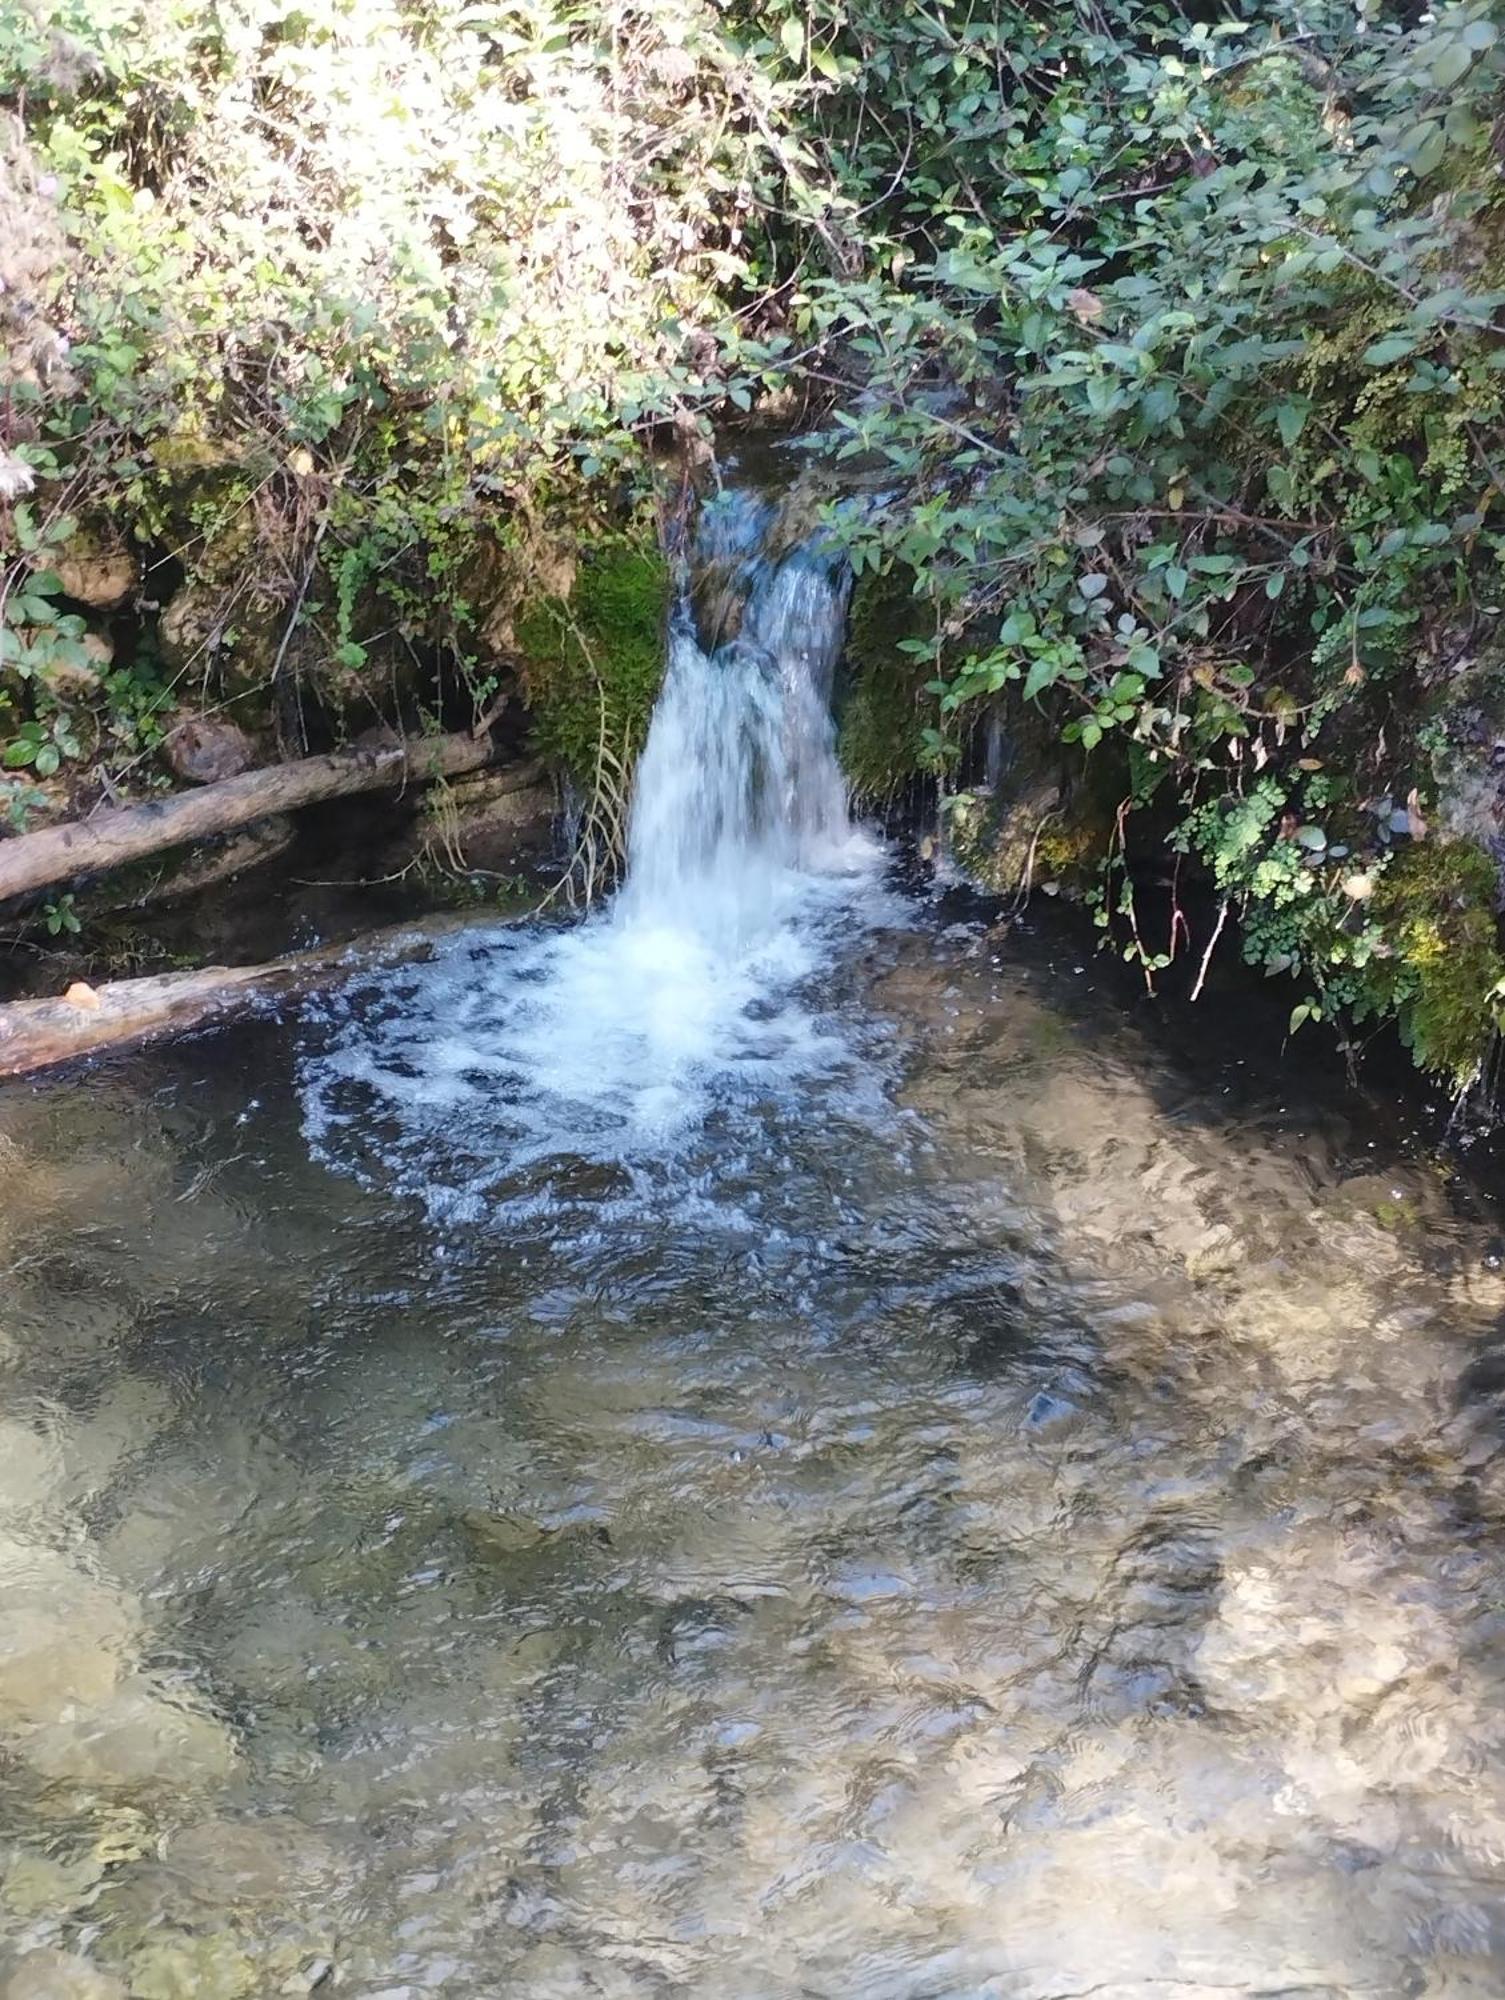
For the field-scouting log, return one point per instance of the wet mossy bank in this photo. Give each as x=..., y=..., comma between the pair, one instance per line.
x=1368, y=910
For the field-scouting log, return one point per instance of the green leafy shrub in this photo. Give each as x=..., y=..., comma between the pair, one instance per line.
x=1179, y=342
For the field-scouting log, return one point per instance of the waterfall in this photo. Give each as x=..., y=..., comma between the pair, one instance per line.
x=738, y=789
x=611, y=1040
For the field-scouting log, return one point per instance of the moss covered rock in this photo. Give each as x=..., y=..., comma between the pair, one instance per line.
x=593, y=660
x=1442, y=974
x=1041, y=833
x=885, y=709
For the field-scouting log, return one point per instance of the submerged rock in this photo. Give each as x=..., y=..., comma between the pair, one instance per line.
x=65, y=1640
x=243, y=1862
x=139, y=1739
x=75, y=1709
x=60, y=1975
x=176, y=1966
x=38, y=1884
x=31, y=1468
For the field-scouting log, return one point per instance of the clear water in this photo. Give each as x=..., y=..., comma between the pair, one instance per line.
x=814, y=1458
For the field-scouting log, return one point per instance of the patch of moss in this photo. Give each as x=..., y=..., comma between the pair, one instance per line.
x=1397, y=1215
x=593, y=662
x=1045, y=834
x=1071, y=846
x=885, y=709
x=1442, y=975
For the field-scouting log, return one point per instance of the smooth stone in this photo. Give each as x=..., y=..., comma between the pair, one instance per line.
x=59, y=1975
x=1046, y=1410
x=224, y=1861
x=138, y=1739
x=65, y=1639
x=31, y=1467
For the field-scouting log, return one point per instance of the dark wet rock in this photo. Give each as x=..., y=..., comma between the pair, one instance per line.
x=486, y=822
x=1468, y=760
x=1031, y=831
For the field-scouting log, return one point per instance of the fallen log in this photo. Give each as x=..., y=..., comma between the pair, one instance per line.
x=120, y=834
x=40, y=1034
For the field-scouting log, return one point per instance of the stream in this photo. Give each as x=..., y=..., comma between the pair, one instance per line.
x=777, y=1441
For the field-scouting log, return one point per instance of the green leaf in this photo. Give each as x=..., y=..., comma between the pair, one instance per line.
x=792, y=35
x=1393, y=347
x=1042, y=674
x=1430, y=154
x=1290, y=419
x=1451, y=62
x=1159, y=402
x=1176, y=580
x=1275, y=583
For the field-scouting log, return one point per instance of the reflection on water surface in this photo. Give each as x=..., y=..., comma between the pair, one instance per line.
x=965, y=1515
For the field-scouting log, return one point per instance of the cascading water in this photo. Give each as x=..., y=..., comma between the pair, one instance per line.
x=608, y=1040
x=738, y=798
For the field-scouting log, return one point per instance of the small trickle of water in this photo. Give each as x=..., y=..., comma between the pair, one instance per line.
x=610, y=1041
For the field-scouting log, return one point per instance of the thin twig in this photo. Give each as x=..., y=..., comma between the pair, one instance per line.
x=1212, y=943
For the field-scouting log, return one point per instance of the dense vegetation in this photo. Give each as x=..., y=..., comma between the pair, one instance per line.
x=334, y=330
